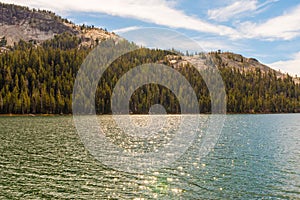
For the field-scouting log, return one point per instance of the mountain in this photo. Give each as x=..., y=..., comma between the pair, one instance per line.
x=231, y=60
x=226, y=59
x=31, y=25
x=42, y=53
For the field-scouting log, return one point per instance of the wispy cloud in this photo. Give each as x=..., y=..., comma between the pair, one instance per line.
x=160, y=12
x=164, y=38
x=230, y=11
x=284, y=27
x=215, y=43
x=237, y=9
x=289, y=66
x=126, y=29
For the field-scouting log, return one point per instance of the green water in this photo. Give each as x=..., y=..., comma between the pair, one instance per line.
x=257, y=156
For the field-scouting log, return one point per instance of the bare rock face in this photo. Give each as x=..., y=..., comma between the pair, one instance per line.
x=226, y=59
x=21, y=23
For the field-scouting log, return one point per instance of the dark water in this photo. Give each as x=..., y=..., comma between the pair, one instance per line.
x=257, y=157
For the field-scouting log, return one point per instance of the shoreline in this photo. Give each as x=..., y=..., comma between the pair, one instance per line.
x=34, y=115
x=65, y=115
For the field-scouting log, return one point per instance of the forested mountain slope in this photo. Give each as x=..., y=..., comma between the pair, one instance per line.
x=39, y=79
x=39, y=65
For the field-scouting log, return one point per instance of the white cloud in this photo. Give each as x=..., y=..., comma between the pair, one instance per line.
x=289, y=66
x=284, y=27
x=160, y=12
x=237, y=9
x=164, y=38
x=126, y=29
x=213, y=44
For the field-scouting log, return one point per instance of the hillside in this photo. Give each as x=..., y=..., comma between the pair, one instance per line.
x=231, y=60
x=226, y=59
x=40, y=80
x=31, y=25
x=43, y=53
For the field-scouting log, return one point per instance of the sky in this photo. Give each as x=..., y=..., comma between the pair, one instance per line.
x=268, y=30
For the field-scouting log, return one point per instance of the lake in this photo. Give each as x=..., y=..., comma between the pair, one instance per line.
x=257, y=156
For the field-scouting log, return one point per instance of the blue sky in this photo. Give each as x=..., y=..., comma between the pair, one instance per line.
x=268, y=30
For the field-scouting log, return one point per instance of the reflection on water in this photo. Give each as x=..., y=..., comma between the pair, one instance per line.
x=257, y=156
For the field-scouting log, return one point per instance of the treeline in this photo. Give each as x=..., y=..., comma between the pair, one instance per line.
x=260, y=92
x=39, y=79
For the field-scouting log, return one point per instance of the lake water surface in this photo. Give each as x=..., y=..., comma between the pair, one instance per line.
x=257, y=156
